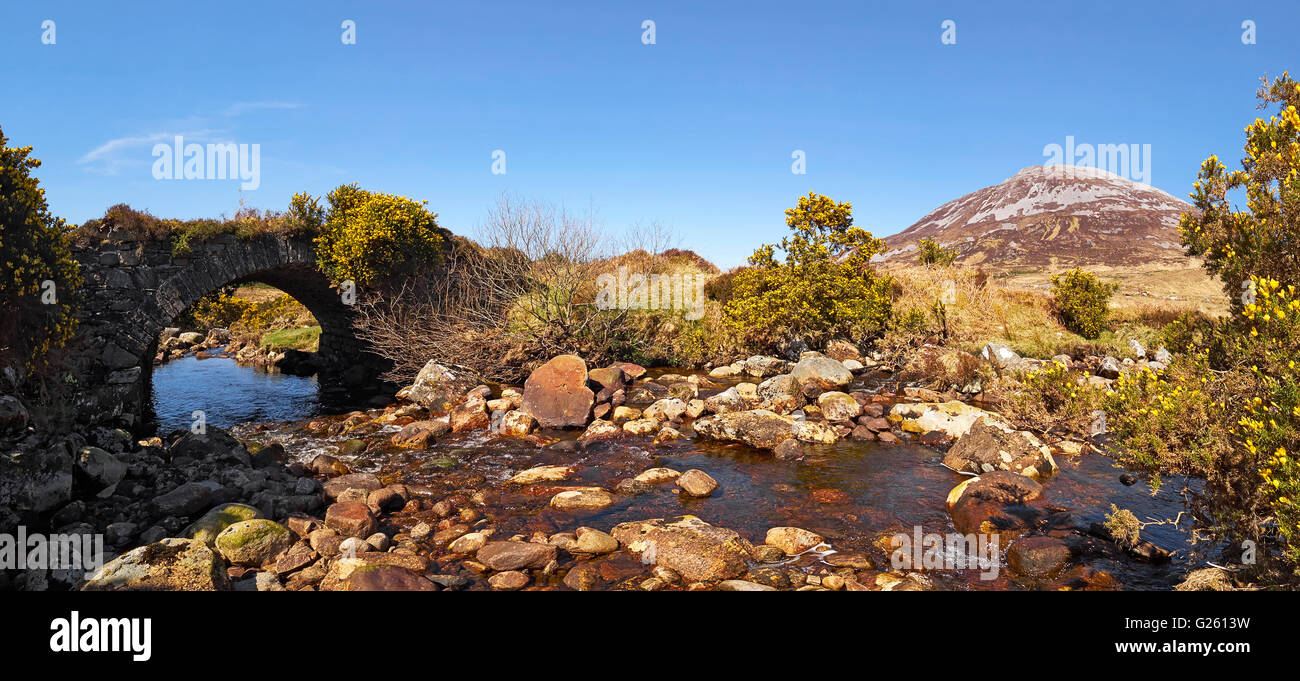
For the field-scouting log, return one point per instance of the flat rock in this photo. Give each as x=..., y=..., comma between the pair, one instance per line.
x=951, y=418
x=515, y=555
x=693, y=548
x=583, y=498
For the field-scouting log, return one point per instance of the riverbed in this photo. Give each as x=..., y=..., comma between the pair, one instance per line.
x=851, y=493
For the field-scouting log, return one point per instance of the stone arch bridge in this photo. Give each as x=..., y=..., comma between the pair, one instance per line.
x=135, y=289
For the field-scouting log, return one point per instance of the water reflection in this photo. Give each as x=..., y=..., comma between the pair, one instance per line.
x=228, y=394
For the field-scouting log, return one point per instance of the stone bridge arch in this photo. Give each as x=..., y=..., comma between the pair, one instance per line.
x=135, y=289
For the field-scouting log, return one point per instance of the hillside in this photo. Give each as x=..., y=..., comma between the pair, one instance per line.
x=1047, y=219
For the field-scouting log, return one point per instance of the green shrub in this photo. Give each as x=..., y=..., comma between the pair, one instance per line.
x=931, y=254
x=1082, y=301
x=823, y=289
x=1230, y=413
x=1050, y=400
x=369, y=236
x=33, y=251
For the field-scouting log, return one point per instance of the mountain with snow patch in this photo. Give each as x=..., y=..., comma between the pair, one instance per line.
x=1053, y=217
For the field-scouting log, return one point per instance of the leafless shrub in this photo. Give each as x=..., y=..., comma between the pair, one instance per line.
x=524, y=293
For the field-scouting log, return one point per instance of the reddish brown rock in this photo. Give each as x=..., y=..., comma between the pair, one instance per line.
x=606, y=382
x=1038, y=556
x=556, y=393
x=470, y=416
x=632, y=371
x=995, y=503
x=328, y=466
x=515, y=555
x=351, y=519
x=418, y=433
x=365, y=482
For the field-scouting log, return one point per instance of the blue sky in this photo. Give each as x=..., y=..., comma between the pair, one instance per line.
x=695, y=131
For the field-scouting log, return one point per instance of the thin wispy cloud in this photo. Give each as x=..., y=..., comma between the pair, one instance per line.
x=112, y=156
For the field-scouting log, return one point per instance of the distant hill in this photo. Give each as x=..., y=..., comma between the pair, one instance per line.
x=1048, y=219
x=1043, y=217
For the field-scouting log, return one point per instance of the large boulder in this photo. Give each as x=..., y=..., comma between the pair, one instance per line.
x=438, y=388
x=582, y=499
x=548, y=473
x=666, y=409
x=186, y=499
x=838, y=406
x=781, y=394
x=472, y=415
x=758, y=428
x=364, y=482
x=821, y=374
x=693, y=548
x=253, y=542
x=606, y=382
x=374, y=571
x=213, y=444
x=206, y=528
x=992, y=445
x=994, y=503
x=100, y=467
x=792, y=540
x=556, y=393
x=727, y=401
x=517, y=423
x=760, y=366
x=168, y=565
x=950, y=418
x=13, y=415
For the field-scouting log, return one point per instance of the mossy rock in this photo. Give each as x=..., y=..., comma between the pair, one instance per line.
x=253, y=542
x=207, y=528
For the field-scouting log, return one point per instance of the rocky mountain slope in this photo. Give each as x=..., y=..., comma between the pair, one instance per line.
x=1054, y=218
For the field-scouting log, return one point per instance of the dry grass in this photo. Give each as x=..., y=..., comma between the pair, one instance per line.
x=984, y=309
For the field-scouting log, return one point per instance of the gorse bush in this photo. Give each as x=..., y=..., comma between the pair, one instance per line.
x=930, y=254
x=823, y=288
x=1262, y=241
x=1175, y=422
x=1051, y=400
x=244, y=317
x=1246, y=443
x=1082, y=301
x=33, y=251
x=368, y=236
